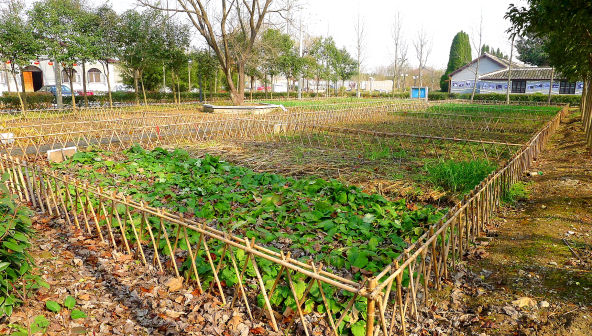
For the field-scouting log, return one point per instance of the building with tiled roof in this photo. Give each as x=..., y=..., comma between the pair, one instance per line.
x=493, y=78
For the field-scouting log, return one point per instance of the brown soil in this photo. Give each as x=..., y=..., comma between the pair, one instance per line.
x=530, y=257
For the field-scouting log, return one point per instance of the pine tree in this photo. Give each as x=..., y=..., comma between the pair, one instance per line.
x=460, y=55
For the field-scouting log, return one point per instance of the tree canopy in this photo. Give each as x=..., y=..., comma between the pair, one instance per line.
x=531, y=50
x=460, y=55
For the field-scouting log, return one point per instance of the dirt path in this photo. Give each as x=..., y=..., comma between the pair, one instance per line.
x=529, y=256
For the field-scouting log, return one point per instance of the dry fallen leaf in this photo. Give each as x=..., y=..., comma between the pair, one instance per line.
x=234, y=322
x=174, y=284
x=257, y=331
x=84, y=297
x=172, y=313
x=524, y=301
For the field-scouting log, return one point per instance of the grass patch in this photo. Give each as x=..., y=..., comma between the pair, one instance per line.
x=459, y=176
x=518, y=192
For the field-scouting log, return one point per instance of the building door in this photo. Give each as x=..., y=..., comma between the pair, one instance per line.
x=28, y=77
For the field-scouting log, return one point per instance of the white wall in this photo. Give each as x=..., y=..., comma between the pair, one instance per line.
x=48, y=76
x=541, y=86
x=467, y=76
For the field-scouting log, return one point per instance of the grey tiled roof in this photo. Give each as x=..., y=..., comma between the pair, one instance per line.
x=500, y=61
x=523, y=73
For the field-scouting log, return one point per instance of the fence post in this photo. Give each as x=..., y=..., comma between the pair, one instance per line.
x=371, y=313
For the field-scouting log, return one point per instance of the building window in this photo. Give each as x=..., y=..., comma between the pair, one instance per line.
x=94, y=75
x=66, y=79
x=566, y=87
x=518, y=86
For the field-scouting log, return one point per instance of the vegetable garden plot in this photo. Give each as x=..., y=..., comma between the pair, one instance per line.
x=512, y=130
x=398, y=147
x=360, y=232
x=393, y=292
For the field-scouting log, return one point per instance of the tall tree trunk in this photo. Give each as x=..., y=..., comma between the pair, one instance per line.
x=240, y=79
x=70, y=74
x=265, y=84
x=583, y=98
x=211, y=90
x=136, y=87
x=476, y=78
x=23, y=103
x=551, y=86
x=108, y=73
x=510, y=74
x=271, y=92
x=216, y=81
x=252, y=85
x=143, y=90
x=173, y=88
x=58, y=76
x=84, y=84
x=288, y=86
x=179, y=88
x=7, y=78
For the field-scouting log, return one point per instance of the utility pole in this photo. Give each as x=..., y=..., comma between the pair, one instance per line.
x=300, y=80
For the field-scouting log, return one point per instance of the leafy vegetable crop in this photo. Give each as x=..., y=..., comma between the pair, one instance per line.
x=351, y=231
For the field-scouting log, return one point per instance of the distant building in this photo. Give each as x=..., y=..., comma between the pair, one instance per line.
x=41, y=73
x=493, y=78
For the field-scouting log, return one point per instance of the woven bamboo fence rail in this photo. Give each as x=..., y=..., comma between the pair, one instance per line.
x=394, y=296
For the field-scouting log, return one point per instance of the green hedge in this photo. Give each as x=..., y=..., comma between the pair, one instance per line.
x=573, y=100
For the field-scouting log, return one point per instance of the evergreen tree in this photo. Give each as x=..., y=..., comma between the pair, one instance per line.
x=460, y=55
x=531, y=50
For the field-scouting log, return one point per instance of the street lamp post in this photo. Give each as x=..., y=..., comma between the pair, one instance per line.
x=189, y=73
x=404, y=81
x=415, y=80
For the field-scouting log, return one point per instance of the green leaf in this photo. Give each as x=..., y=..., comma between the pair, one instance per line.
x=323, y=206
x=3, y=266
x=41, y=321
x=359, y=328
x=19, y=333
x=12, y=246
x=53, y=306
x=373, y=243
x=70, y=302
x=76, y=314
x=368, y=218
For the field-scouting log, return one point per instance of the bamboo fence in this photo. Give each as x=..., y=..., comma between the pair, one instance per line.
x=393, y=296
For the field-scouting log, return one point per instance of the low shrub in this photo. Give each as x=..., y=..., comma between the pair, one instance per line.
x=459, y=176
x=573, y=100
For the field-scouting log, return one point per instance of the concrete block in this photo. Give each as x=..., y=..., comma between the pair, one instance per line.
x=6, y=138
x=59, y=155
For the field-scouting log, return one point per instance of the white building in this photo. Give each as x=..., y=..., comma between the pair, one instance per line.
x=41, y=73
x=493, y=78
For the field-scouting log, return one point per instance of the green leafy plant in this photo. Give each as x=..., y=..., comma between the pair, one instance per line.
x=16, y=265
x=40, y=324
x=53, y=306
x=459, y=176
x=326, y=219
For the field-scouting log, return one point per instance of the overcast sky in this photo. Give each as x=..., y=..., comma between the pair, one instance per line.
x=441, y=19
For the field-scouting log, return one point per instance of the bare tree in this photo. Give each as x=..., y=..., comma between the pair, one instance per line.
x=477, y=43
x=230, y=28
x=360, y=45
x=400, y=45
x=423, y=48
x=510, y=72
